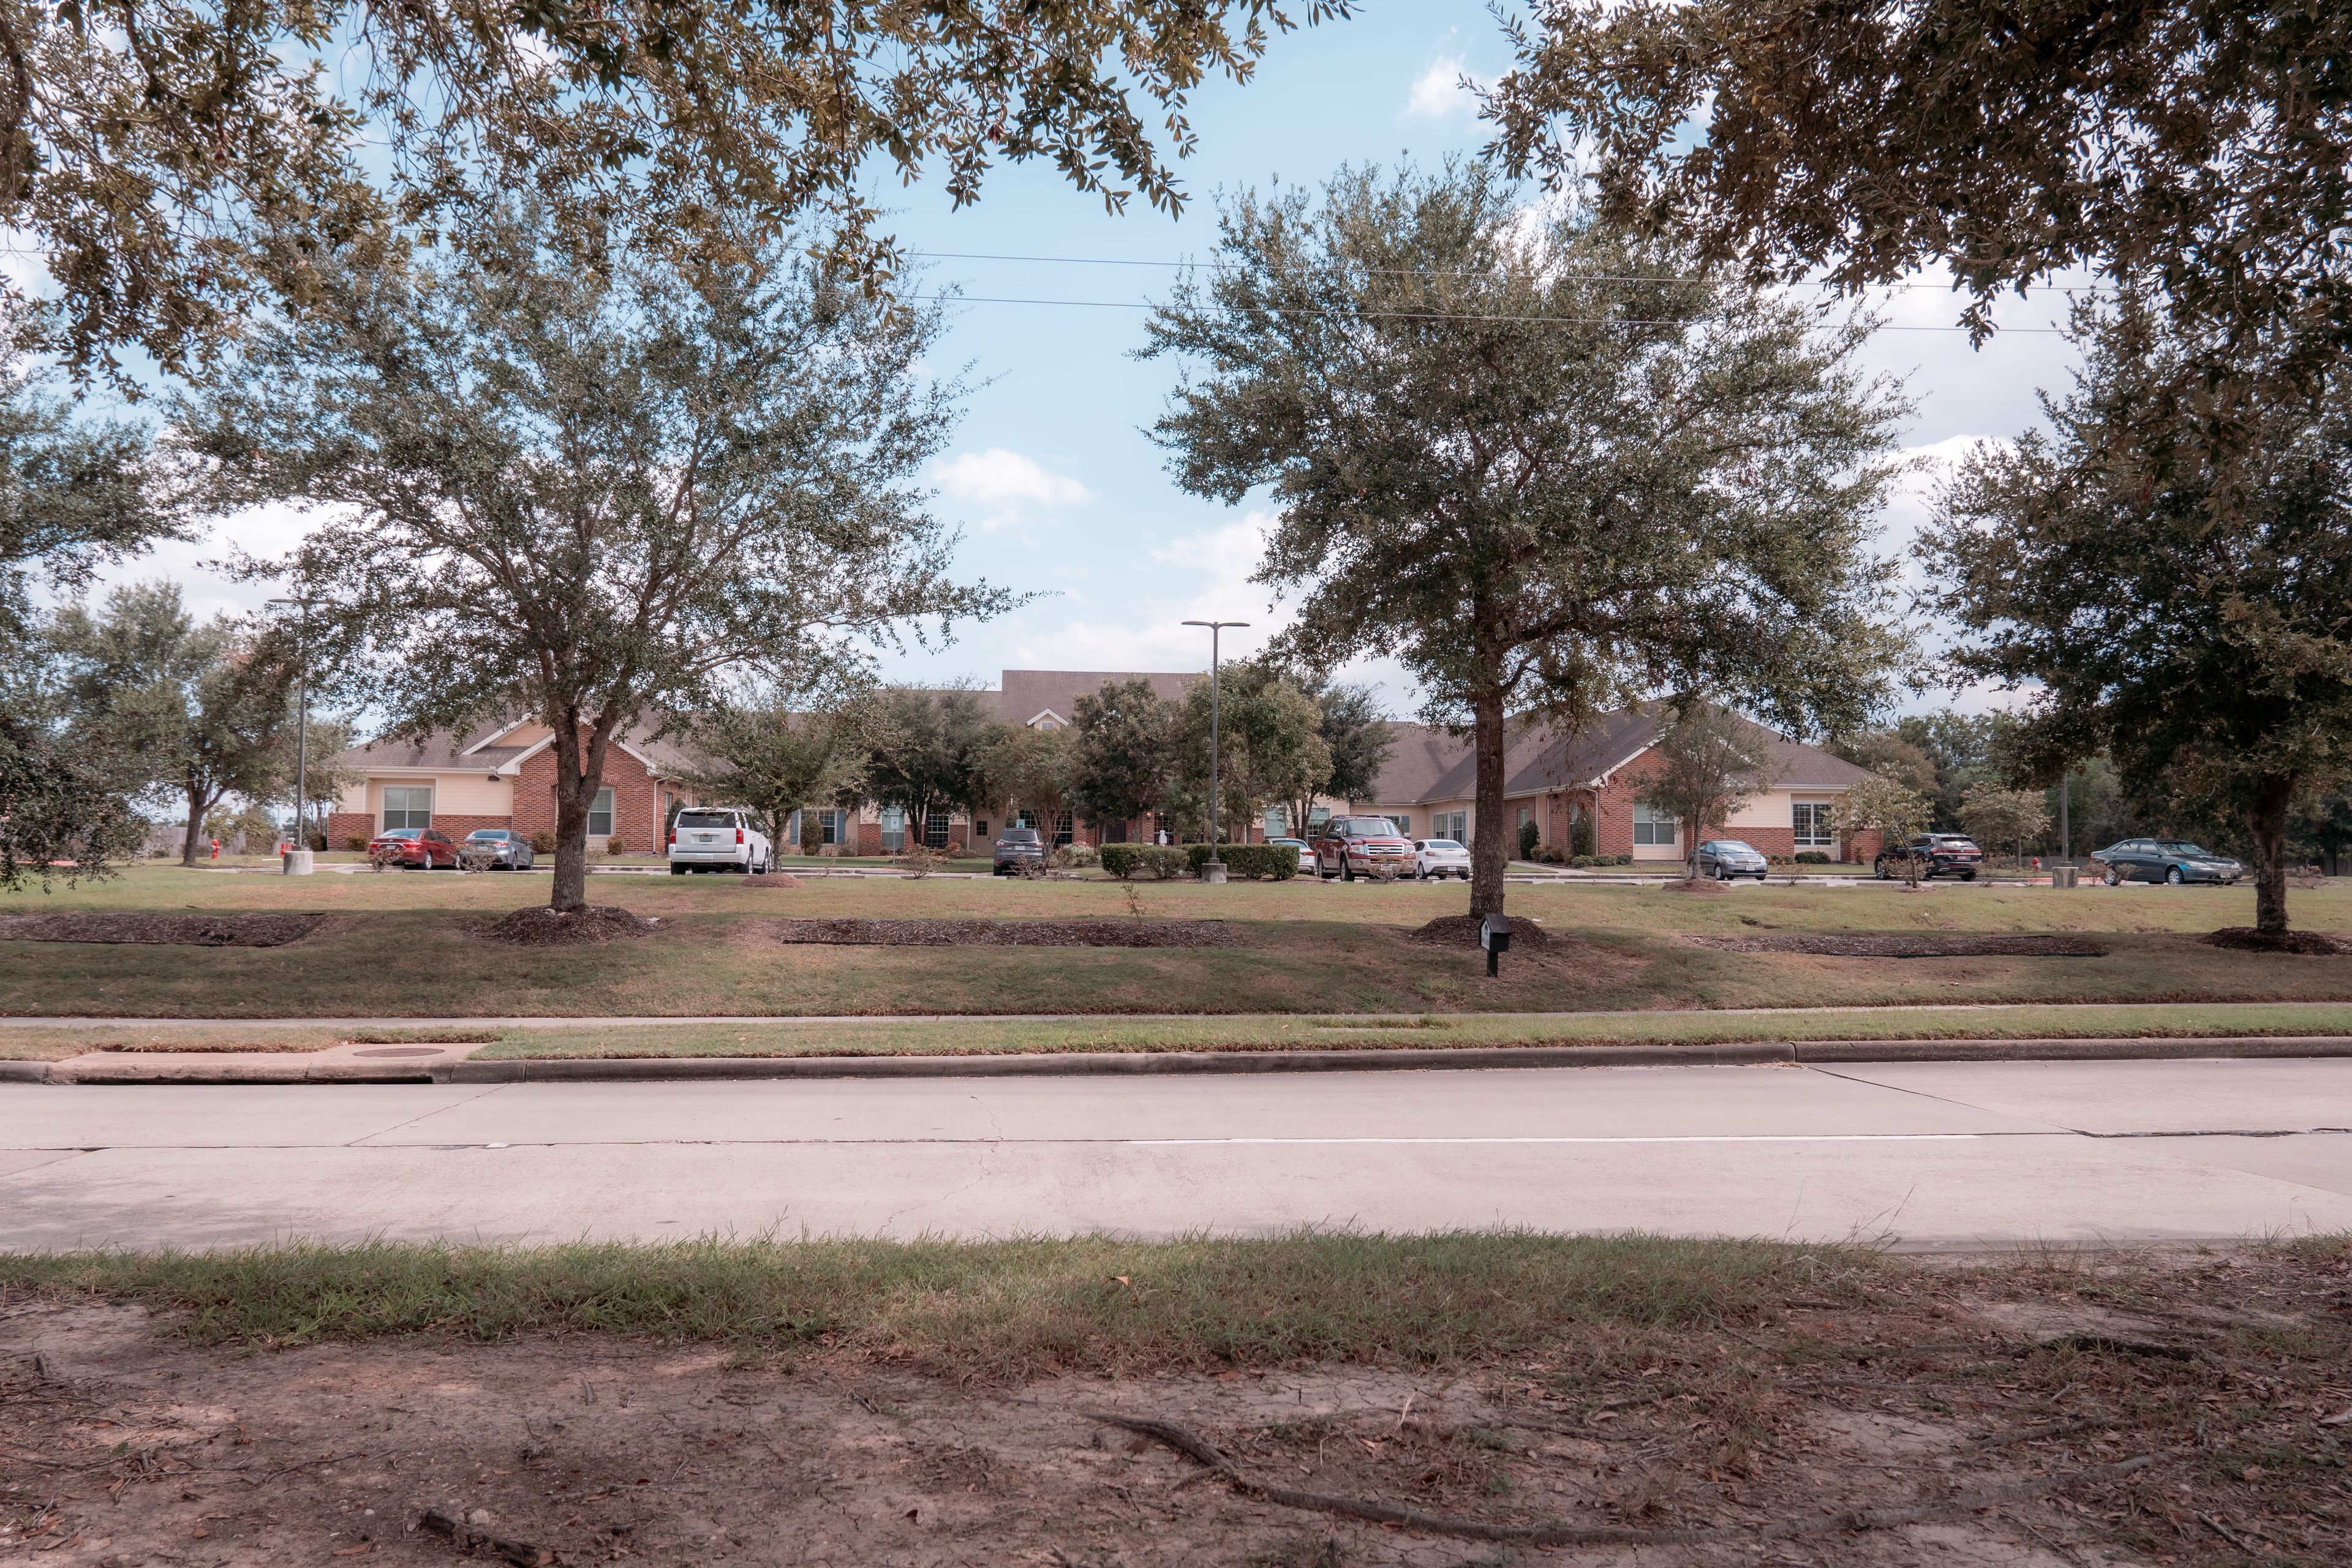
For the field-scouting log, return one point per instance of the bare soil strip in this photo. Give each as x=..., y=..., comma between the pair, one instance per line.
x=1128, y=933
x=2187, y=1407
x=1909, y=945
x=218, y=929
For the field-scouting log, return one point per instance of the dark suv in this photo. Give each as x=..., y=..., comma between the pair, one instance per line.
x=1932, y=855
x=1017, y=847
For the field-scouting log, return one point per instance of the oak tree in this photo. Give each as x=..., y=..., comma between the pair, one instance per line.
x=1708, y=765
x=1124, y=751
x=595, y=488
x=1535, y=457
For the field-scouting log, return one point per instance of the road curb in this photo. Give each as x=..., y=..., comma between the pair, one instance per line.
x=637, y=1070
x=1187, y=1063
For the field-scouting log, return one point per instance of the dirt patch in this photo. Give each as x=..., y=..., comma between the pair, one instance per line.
x=539, y=926
x=2246, y=939
x=1462, y=930
x=122, y=1442
x=768, y=880
x=1706, y=887
x=1128, y=933
x=171, y=931
x=1909, y=945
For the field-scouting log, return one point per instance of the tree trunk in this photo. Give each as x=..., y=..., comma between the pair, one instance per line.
x=579, y=775
x=2266, y=820
x=197, y=803
x=1490, y=851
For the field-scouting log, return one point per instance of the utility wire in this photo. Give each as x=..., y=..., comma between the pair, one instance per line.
x=1399, y=315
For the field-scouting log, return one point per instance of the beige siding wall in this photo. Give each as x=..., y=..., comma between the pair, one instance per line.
x=454, y=794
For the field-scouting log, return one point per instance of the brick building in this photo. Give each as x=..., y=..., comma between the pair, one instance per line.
x=1429, y=788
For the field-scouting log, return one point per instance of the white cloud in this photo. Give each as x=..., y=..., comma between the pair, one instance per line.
x=1005, y=486
x=1443, y=92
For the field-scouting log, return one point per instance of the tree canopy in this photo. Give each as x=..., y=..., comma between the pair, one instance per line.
x=1537, y=459
x=1270, y=750
x=179, y=164
x=1709, y=763
x=2196, y=144
x=2174, y=600
x=1120, y=762
x=595, y=492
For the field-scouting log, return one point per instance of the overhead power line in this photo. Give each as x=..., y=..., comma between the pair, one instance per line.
x=1398, y=315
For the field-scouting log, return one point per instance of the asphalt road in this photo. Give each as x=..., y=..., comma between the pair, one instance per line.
x=1950, y=1155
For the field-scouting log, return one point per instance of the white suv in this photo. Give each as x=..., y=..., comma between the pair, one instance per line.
x=717, y=839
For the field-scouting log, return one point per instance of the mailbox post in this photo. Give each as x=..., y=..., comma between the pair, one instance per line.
x=1495, y=936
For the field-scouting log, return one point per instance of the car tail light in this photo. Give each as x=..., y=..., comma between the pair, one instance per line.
x=673, y=835
x=738, y=836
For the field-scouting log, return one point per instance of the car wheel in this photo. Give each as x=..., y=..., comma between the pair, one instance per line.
x=2113, y=878
x=677, y=870
x=1967, y=876
x=1878, y=867
x=1347, y=873
x=2172, y=876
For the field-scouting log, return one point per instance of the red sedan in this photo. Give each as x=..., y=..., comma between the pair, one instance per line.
x=420, y=847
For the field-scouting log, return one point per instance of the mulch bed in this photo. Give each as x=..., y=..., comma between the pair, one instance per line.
x=2246, y=939
x=1462, y=930
x=539, y=926
x=1702, y=886
x=1909, y=945
x=767, y=879
x=1009, y=933
x=172, y=930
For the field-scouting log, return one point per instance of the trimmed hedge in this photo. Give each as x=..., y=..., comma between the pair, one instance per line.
x=1248, y=862
x=1811, y=857
x=1243, y=862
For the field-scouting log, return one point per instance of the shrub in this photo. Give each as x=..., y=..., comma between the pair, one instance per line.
x=1579, y=836
x=1252, y=861
x=1811, y=857
x=616, y=846
x=359, y=841
x=1158, y=861
x=1070, y=856
x=542, y=842
x=1581, y=861
x=1529, y=836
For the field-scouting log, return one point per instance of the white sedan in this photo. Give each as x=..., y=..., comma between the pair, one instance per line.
x=1440, y=857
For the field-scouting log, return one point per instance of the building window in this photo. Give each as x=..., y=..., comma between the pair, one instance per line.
x=1652, y=826
x=833, y=827
x=1277, y=822
x=1062, y=826
x=600, y=813
x=1454, y=825
x=1810, y=819
x=1403, y=820
x=894, y=829
x=935, y=830
x=407, y=805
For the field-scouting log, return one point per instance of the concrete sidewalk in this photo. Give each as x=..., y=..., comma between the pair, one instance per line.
x=1948, y=1155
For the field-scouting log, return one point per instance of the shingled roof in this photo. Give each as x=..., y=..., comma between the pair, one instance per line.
x=1433, y=764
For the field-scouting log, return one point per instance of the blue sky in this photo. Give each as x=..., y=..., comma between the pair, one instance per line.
x=1051, y=477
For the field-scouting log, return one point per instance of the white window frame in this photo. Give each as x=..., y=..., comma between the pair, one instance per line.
x=1810, y=824
x=935, y=830
x=1653, y=828
x=407, y=811
x=602, y=805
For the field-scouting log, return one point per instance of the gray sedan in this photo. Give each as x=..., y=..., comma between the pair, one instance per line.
x=510, y=850
x=1724, y=859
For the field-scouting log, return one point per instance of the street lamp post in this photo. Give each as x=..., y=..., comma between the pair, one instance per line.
x=298, y=863
x=1214, y=869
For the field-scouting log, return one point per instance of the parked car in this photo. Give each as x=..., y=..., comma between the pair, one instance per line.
x=1435, y=857
x=717, y=839
x=2165, y=860
x=510, y=850
x=421, y=848
x=1305, y=850
x=1724, y=859
x=1934, y=854
x=1350, y=847
x=1019, y=846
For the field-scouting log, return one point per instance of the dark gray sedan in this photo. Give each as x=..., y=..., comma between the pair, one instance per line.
x=1726, y=858
x=512, y=850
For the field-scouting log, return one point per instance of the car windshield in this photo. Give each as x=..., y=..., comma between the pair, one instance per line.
x=705, y=819
x=1371, y=827
x=405, y=833
x=491, y=835
x=1734, y=844
x=1444, y=844
x=1021, y=836
x=2178, y=848
x=1954, y=841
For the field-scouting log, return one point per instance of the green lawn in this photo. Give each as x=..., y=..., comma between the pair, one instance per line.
x=403, y=945
x=1260, y=1032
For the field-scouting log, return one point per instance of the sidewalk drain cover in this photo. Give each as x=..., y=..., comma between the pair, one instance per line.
x=401, y=1051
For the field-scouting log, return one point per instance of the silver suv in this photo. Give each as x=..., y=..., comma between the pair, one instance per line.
x=717, y=839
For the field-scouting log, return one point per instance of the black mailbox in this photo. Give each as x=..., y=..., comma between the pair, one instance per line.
x=1495, y=936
